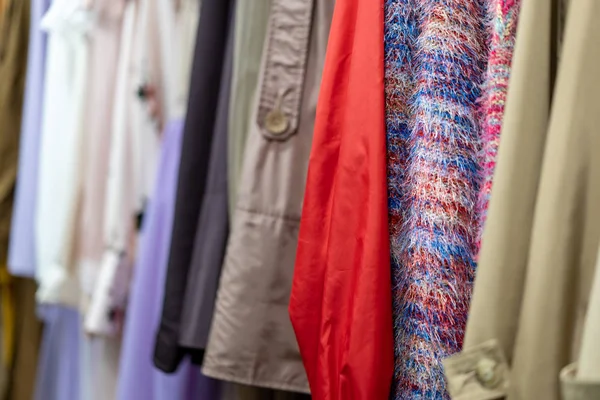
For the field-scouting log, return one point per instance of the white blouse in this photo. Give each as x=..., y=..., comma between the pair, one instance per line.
x=60, y=151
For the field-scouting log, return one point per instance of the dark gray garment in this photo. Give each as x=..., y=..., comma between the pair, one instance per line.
x=213, y=226
x=211, y=39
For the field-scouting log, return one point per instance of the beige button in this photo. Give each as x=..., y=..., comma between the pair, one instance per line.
x=487, y=373
x=276, y=122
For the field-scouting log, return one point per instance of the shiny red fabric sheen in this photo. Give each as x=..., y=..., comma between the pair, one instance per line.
x=341, y=306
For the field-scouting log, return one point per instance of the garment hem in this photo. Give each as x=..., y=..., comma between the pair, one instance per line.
x=216, y=374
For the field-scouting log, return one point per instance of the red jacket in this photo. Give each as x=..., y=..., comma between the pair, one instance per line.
x=341, y=305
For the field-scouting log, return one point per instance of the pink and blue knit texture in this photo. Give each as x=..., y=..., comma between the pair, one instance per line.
x=503, y=16
x=447, y=64
x=435, y=54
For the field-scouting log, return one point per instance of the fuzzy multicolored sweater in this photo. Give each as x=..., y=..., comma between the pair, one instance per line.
x=503, y=17
x=435, y=57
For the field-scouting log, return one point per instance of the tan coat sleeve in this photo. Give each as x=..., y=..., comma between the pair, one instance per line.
x=539, y=247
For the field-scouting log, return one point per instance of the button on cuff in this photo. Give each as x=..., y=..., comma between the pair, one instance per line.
x=478, y=373
x=487, y=373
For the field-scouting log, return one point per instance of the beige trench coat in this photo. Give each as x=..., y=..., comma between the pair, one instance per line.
x=252, y=341
x=538, y=255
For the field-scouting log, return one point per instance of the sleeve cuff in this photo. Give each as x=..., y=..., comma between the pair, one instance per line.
x=56, y=286
x=573, y=388
x=167, y=352
x=106, y=308
x=478, y=373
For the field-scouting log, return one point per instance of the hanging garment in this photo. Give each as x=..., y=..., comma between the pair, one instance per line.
x=21, y=252
x=532, y=290
x=250, y=31
x=59, y=177
x=103, y=46
x=251, y=339
x=27, y=333
x=342, y=318
x=581, y=380
x=147, y=287
x=143, y=312
x=213, y=226
x=110, y=285
x=502, y=16
x=111, y=106
x=401, y=34
x=14, y=27
x=14, y=31
x=20, y=329
x=433, y=190
x=503, y=257
x=58, y=373
x=193, y=172
x=134, y=136
x=151, y=65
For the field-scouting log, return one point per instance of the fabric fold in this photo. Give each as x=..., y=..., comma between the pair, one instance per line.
x=340, y=312
x=21, y=252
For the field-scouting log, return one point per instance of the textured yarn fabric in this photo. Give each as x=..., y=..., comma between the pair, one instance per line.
x=435, y=54
x=503, y=16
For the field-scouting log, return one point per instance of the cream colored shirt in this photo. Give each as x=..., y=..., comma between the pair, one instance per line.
x=61, y=150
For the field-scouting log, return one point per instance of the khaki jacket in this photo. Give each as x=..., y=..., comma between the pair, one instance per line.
x=538, y=255
x=251, y=340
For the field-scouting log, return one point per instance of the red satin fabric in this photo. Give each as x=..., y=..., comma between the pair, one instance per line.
x=341, y=305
